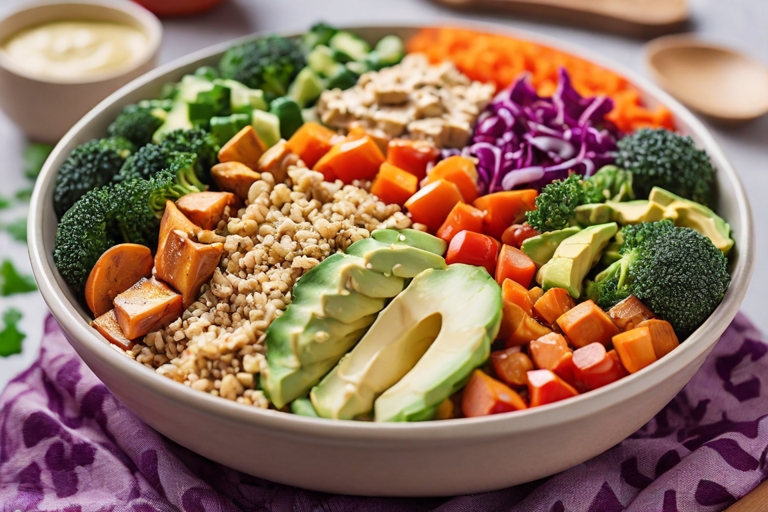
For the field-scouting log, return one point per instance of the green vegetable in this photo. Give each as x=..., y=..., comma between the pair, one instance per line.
x=389, y=51
x=12, y=282
x=35, y=155
x=18, y=229
x=319, y=33
x=677, y=272
x=268, y=63
x=348, y=47
x=611, y=183
x=668, y=160
x=22, y=195
x=267, y=127
x=137, y=123
x=207, y=72
x=226, y=127
x=90, y=165
x=11, y=337
x=289, y=114
x=307, y=87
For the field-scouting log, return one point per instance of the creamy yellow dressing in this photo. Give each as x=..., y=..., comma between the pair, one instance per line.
x=71, y=50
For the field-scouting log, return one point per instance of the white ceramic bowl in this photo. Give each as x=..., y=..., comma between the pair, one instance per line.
x=425, y=459
x=45, y=109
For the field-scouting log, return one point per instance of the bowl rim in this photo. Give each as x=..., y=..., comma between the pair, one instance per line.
x=494, y=426
x=149, y=23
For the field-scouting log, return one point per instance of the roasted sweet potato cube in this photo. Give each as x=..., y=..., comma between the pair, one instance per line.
x=535, y=294
x=587, y=323
x=593, y=367
x=245, y=147
x=276, y=161
x=174, y=220
x=528, y=330
x=147, y=306
x=663, y=336
x=629, y=313
x=544, y=387
x=187, y=265
x=511, y=366
x=553, y=304
x=234, y=177
x=206, y=208
x=484, y=395
x=107, y=325
x=635, y=348
x=115, y=271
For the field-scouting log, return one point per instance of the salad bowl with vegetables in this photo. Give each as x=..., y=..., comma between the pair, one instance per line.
x=367, y=261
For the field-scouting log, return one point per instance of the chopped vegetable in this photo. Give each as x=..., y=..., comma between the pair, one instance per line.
x=459, y=170
x=511, y=366
x=516, y=293
x=635, y=348
x=535, y=294
x=473, y=249
x=206, y=209
x=432, y=204
x=629, y=313
x=108, y=327
x=147, y=305
x=311, y=142
x=289, y=114
x=551, y=352
x=119, y=268
x=587, y=323
x=513, y=309
x=234, y=177
x=413, y=156
x=245, y=147
x=553, y=304
x=393, y=185
x=484, y=395
x=544, y=387
x=137, y=123
x=35, y=155
x=514, y=264
x=10, y=336
x=528, y=330
x=516, y=234
x=12, y=282
x=358, y=157
x=663, y=336
x=462, y=217
x=503, y=209
x=593, y=367
x=174, y=220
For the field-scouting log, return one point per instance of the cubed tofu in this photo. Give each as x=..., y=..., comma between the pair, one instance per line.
x=234, y=177
x=205, y=209
x=147, y=306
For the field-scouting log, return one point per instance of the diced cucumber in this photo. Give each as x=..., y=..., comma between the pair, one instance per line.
x=207, y=72
x=349, y=47
x=358, y=68
x=177, y=119
x=267, y=127
x=343, y=78
x=289, y=113
x=320, y=60
x=226, y=127
x=243, y=98
x=306, y=88
x=390, y=50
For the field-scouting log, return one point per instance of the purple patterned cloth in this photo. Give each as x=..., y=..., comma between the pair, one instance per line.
x=66, y=444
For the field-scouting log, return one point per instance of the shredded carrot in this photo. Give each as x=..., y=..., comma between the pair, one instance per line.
x=501, y=60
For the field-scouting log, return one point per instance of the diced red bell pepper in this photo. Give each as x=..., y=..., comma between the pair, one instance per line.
x=432, y=204
x=473, y=249
x=593, y=367
x=393, y=185
x=459, y=170
x=502, y=209
x=544, y=387
x=413, y=156
x=516, y=234
x=484, y=395
x=463, y=217
x=355, y=158
x=514, y=264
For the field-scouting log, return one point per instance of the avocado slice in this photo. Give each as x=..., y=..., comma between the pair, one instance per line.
x=540, y=248
x=575, y=257
x=689, y=214
x=306, y=87
x=412, y=237
x=628, y=212
x=467, y=328
x=303, y=407
x=392, y=259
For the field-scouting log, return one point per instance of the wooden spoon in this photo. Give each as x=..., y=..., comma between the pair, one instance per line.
x=715, y=81
x=641, y=18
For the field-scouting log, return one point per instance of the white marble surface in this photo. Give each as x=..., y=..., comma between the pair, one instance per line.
x=737, y=23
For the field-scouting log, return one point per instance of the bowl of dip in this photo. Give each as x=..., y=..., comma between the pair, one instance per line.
x=58, y=59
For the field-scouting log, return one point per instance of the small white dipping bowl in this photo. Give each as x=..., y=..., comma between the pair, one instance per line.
x=46, y=108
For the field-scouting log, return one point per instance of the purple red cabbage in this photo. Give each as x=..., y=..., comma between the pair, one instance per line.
x=523, y=139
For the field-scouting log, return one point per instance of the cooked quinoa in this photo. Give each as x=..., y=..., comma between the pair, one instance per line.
x=285, y=229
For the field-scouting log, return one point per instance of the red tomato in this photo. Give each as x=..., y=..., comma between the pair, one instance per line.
x=473, y=249
x=516, y=234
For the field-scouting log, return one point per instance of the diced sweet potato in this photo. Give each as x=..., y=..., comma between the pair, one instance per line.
x=146, y=306
x=635, y=348
x=663, y=336
x=174, y=220
x=311, y=142
x=512, y=316
x=587, y=323
x=514, y=264
x=444, y=410
x=107, y=325
x=276, y=161
x=553, y=304
x=245, y=147
x=528, y=330
x=535, y=294
x=484, y=395
x=234, y=177
x=511, y=366
x=628, y=313
x=593, y=367
x=187, y=265
x=544, y=387
x=514, y=292
x=548, y=350
x=119, y=268
x=206, y=208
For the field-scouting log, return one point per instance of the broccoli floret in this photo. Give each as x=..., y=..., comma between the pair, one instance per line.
x=677, y=272
x=268, y=63
x=83, y=234
x=145, y=163
x=137, y=123
x=199, y=142
x=610, y=183
x=90, y=165
x=668, y=160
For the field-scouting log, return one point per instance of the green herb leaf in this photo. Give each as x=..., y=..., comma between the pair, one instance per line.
x=11, y=337
x=24, y=194
x=18, y=229
x=34, y=158
x=4, y=203
x=11, y=282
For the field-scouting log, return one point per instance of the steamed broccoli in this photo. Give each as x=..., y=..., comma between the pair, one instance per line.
x=199, y=142
x=268, y=63
x=90, y=165
x=137, y=123
x=677, y=272
x=668, y=160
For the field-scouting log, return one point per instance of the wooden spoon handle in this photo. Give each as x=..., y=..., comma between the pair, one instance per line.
x=635, y=17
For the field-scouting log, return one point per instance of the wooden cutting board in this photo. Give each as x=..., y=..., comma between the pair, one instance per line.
x=640, y=18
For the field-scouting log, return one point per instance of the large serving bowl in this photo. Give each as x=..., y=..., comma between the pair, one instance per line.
x=418, y=459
